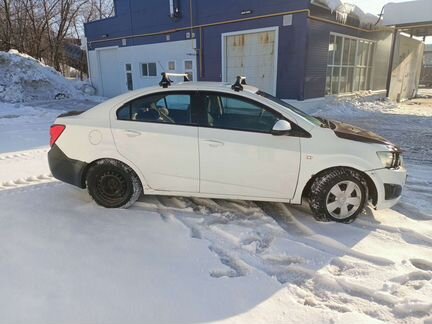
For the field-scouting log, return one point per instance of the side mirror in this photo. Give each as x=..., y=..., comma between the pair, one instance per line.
x=282, y=127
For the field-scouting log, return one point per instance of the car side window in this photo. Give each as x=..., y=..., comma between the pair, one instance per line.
x=158, y=108
x=236, y=113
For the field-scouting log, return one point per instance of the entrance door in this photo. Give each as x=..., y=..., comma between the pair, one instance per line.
x=109, y=71
x=253, y=55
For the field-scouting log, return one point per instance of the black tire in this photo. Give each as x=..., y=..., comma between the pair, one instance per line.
x=321, y=195
x=113, y=184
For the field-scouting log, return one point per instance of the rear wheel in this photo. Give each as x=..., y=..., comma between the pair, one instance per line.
x=113, y=184
x=338, y=195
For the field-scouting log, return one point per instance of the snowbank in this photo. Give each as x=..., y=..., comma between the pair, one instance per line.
x=358, y=105
x=24, y=79
x=343, y=10
x=362, y=104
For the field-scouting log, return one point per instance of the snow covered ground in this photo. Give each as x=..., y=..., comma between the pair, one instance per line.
x=176, y=260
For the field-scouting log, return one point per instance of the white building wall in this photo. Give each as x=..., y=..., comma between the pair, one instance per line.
x=381, y=59
x=407, y=65
x=108, y=65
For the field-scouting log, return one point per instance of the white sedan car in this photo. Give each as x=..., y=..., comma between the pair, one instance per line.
x=215, y=140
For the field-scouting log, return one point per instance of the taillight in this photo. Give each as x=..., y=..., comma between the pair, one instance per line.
x=55, y=132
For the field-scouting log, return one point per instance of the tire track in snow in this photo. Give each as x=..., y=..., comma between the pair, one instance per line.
x=412, y=211
x=393, y=299
x=378, y=299
x=23, y=161
x=331, y=288
x=408, y=235
x=206, y=219
x=287, y=218
x=27, y=181
x=24, y=155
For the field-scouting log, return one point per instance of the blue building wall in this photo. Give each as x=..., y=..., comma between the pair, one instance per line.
x=317, y=54
x=150, y=16
x=134, y=17
x=302, y=51
x=292, y=46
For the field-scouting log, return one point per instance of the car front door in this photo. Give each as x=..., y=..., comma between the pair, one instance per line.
x=238, y=154
x=156, y=134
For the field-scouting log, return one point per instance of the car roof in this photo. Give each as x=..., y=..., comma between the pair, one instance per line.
x=206, y=85
x=185, y=86
x=248, y=92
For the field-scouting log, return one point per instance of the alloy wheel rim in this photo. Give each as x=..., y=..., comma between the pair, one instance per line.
x=344, y=199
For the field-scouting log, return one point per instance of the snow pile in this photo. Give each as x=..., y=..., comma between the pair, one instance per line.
x=343, y=10
x=332, y=4
x=362, y=104
x=23, y=79
x=347, y=9
x=358, y=105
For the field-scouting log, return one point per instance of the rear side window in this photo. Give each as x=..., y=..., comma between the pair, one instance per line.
x=174, y=108
x=124, y=113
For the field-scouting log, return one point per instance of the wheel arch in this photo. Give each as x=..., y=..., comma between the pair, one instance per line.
x=372, y=190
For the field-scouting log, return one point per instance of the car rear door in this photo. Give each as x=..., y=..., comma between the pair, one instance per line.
x=155, y=133
x=238, y=154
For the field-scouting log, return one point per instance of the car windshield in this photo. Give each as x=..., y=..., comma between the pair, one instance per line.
x=310, y=118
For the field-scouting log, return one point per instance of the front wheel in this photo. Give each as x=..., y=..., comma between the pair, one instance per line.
x=338, y=195
x=113, y=184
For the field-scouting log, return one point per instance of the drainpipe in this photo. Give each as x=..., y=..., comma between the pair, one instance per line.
x=390, y=68
x=191, y=17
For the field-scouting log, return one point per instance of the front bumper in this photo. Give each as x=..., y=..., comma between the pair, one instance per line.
x=389, y=184
x=66, y=169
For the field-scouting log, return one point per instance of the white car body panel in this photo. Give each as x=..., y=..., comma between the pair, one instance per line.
x=218, y=163
x=252, y=164
x=381, y=176
x=168, y=153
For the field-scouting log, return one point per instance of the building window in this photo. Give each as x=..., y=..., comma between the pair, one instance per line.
x=148, y=69
x=129, y=78
x=188, y=69
x=171, y=66
x=188, y=65
x=349, y=65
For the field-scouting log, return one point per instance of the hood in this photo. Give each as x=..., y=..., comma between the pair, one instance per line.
x=354, y=133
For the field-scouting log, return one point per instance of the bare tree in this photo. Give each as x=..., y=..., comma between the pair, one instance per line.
x=40, y=28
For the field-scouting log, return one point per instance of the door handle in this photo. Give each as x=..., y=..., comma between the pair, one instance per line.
x=132, y=133
x=213, y=143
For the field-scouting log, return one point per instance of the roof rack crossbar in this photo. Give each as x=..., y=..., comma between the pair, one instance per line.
x=238, y=85
x=166, y=81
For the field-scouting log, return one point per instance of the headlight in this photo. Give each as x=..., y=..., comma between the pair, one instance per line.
x=390, y=160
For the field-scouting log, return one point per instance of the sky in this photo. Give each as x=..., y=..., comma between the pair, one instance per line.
x=375, y=6
x=372, y=6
